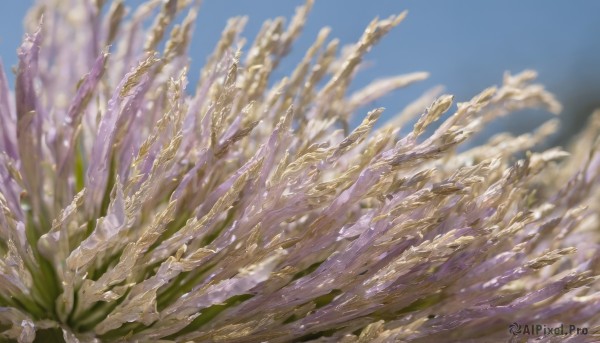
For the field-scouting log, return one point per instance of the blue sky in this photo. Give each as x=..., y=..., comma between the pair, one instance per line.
x=466, y=45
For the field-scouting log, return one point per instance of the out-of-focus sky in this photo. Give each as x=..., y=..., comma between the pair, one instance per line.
x=466, y=45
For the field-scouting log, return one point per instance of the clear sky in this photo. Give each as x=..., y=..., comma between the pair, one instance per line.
x=466, y=45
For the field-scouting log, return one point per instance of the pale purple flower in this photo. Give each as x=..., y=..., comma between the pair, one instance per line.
x=135, y=210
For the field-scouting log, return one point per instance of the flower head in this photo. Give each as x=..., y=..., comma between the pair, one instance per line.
x=132, y=209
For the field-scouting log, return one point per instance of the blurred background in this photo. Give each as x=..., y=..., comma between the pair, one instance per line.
x=466, y=46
